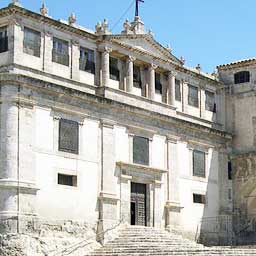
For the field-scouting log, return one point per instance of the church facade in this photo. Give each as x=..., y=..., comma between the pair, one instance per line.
x=105, y=128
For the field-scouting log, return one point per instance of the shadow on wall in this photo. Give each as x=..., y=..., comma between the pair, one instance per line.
x=215, y=227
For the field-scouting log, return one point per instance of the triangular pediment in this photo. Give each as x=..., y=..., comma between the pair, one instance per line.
x=145, y=43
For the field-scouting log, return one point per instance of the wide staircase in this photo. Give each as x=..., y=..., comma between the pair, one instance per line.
x=145, y=241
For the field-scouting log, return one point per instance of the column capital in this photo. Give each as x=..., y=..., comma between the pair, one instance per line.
x=172, y=73
x=74, y=42
x=105, y=49
x=153, y=66
x=131, y=58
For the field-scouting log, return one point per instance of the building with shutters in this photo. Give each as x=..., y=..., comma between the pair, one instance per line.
x=103, y=128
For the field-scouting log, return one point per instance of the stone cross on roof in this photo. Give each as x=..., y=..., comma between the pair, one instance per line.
x=16, y=2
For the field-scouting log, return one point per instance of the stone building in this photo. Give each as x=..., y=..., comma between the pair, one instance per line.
x=98, y=129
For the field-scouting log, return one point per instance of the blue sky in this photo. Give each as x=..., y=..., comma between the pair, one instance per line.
x=209, y=32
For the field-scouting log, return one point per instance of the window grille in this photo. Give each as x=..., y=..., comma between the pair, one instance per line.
x=86, y=62
x=3, y=40
x=67, y=180
x=114, y=71
x=210, y=101
x=60, y=52
x=177, y=90
x=158, y=85
x=68, y=136
x=140, y=150
x=193, y=96
x=198, y=163
x=137, y=77
x=32, y=42
x=242, y=77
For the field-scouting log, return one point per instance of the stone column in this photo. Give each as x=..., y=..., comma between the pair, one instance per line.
x=105, y=66
x=173, y=200
x=129, y=80
x=171, y=88
x=184, y=95
x=152, y=89
x=107, y=199
x=202, y=101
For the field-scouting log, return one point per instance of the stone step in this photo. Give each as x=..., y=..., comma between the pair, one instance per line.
x=145, y=241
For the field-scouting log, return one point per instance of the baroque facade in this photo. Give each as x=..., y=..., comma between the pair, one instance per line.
x=98, y=129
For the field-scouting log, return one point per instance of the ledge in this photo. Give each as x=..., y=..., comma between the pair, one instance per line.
x=10, y=184
x=105, y=196
x=173, y=205
x=139, y=167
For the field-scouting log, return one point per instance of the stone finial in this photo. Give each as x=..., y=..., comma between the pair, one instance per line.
x=72, y=19
x=137, y=26
x=44, y=10
x=105, y=26
x=150, y=32
x=198, y=68
x=168, y=48
x=102, y=28
x=16, y=3
x=127, y=27
x=182, y=60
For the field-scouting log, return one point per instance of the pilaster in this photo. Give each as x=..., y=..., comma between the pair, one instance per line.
x=75, y=56
x=47, y=56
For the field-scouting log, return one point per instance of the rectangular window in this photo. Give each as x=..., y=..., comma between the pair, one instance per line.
x=32, y=42
x=86, y=61
x=60, y=52
x=229, y=170
x=199, y=199
x=3, y=40
x=114, y=71
x=177, y=90
x=158, y=85
x=137, y=77
x=199, y=163
x=67, y=180
x=230, y=194
x=210, y=101
x=140, y=150
x=193, y=96
x=68, y=136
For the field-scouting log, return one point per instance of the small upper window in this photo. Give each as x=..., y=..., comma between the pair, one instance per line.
x=32, y=42
x=60, y=52
x=140, y=150
x=177, y=90
x=137, y=77
x=3, y=40
x=199, y=199
x=67, y=180
x=193, y=96
x=158, y=84
x=68, y=136
x=86, y=62
x=114, y=70
x=242, y=77
x=199, y=163
x=229, y=170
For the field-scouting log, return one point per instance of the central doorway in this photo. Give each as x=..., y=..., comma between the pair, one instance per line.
x=138, y=204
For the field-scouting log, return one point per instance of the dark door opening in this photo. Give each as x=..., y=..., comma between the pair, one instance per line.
x=138, y=204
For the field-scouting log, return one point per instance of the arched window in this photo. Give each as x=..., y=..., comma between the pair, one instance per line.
x=242, y=77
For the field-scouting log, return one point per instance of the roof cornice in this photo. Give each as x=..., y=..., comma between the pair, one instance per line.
x=13, y=9
x=237, y=64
